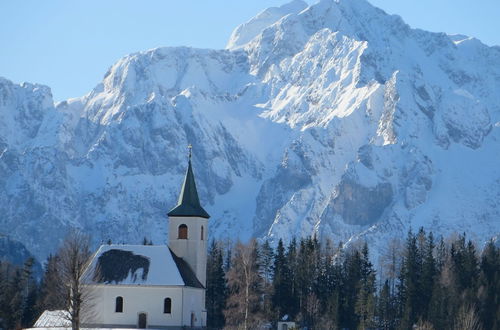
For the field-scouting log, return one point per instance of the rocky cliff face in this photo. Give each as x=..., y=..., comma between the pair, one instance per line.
x=335, y=119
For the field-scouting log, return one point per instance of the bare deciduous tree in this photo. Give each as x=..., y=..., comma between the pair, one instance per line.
x=245, y=286
x=73, y=258
x=389, y=262
x=467, y=318
x=423, y=325
x=312, y=308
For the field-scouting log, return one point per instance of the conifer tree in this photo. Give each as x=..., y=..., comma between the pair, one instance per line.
x=327, y=287
x=440, y=307
x=3, y=293
x=307, y=275
x=440, y=313
x=489, y=290
x=52, y=290
x=464, y=264
x=30, y=294
x=291, y=260
x=266, y=260
x=429, y=272
x=16, y=303
x=365, y=302
x=410, y=283
x=385, y=308
x=216, y=293
x=9, y=286
x=282, y=286
x=350, y=289
x=18, y=290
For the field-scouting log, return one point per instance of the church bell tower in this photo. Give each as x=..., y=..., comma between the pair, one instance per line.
x=188, y=224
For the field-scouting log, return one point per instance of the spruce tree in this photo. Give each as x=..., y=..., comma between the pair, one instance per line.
x=216, y=292
x=292, y=266
x=307, y=275
x=464, y=266
x=440, y=311
x=385, y=308
x=52, y=290
x=266, y=260
x=429, y=272
x=365, y=302
x=282, y=286
x=7, y=291
x=29, y=295
x=350, y=289
x=327, y=287
x=489, y=291
x=410, y=283
x=16, y=303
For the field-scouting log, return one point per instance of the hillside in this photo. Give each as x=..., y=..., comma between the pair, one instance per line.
x=335, y=119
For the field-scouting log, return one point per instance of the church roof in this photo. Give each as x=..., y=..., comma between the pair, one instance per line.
x=53, y=319
x=188, y=276
x=154, y=265
x=189, y=203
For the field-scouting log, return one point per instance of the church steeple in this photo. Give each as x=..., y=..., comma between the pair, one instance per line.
x=188, y=227
x=188, y=204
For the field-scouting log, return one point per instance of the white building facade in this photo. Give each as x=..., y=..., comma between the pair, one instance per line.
x=158, y=307
x=161, y=287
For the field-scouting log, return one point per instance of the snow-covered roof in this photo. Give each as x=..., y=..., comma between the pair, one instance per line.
x=53, y=319
x=139, y=265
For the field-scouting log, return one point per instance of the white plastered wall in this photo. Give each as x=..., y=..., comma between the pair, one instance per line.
x=147, y=299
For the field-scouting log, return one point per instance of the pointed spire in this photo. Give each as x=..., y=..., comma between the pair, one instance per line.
x=188, y=204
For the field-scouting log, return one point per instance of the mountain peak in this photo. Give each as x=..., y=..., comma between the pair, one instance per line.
x=249, y=30
x=335, y=119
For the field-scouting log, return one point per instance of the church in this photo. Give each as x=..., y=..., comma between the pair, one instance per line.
x=146, y=286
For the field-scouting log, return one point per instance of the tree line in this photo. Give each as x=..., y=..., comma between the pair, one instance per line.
x=23, y=298
x=421, y=283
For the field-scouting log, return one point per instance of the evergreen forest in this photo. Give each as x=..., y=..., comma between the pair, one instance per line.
x=419, y=283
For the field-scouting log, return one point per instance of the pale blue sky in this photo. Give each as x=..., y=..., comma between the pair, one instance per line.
x=69, y=45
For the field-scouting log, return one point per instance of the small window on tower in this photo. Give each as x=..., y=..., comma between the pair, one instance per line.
x=202, y=233
x=167, y=306
x=183, y=232
x=119, y=305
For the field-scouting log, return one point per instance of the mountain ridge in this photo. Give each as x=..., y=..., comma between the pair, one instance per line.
x=333, y=119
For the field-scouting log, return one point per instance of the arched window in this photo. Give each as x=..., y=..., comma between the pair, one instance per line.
x=167, y=306
x=119, y=305
x=202, y=232
x=183, y=232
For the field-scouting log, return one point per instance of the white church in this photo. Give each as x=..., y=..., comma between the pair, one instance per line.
x=146, y=286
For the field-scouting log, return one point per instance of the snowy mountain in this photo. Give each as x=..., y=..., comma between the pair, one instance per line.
x=336, y=119
x=17, y=254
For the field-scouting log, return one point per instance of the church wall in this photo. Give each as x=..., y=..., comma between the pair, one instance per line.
x=192, y=298
x=137, y=300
